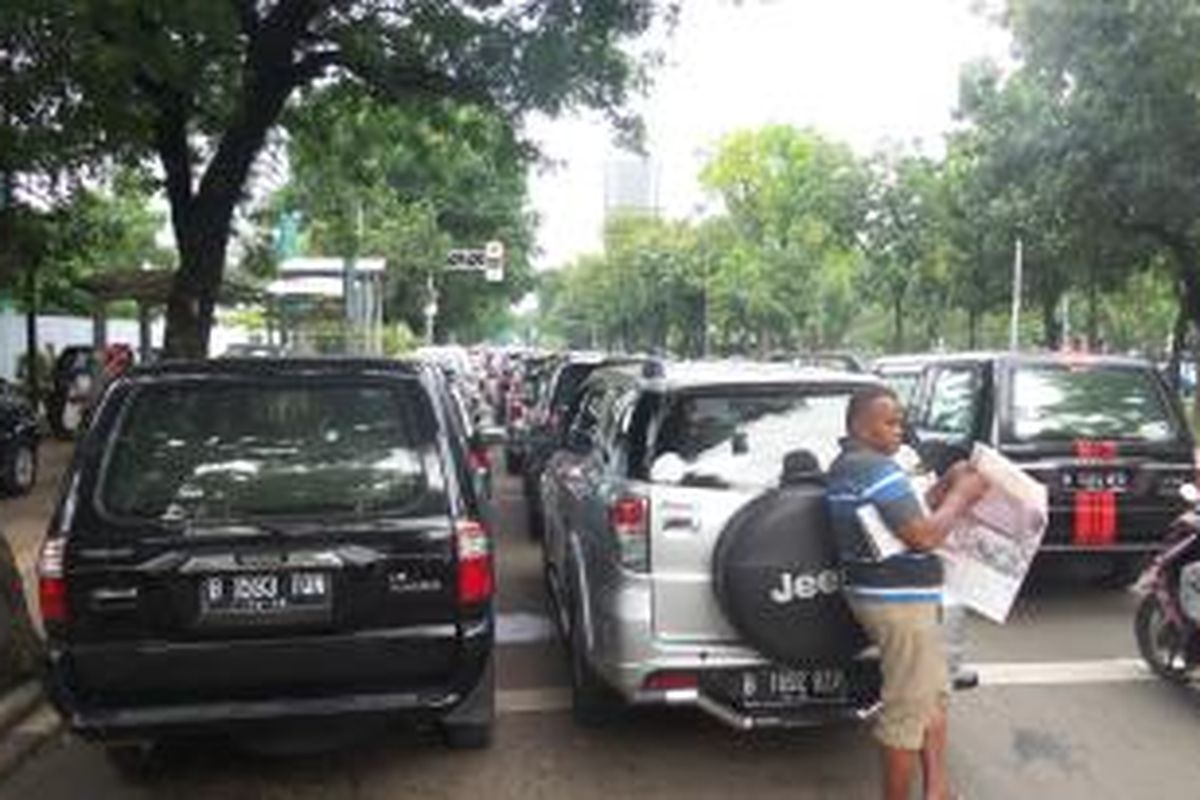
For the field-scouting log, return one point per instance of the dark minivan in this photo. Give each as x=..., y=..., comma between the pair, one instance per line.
x=1103, y=433
x=247, y=541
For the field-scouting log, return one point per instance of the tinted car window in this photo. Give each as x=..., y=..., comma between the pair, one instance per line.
x=221, y=451
x=569, y=380
x=741, y=438
x=1053, y=402
x=952, y=401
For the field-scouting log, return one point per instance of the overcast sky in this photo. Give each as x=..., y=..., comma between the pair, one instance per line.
x=864, y=71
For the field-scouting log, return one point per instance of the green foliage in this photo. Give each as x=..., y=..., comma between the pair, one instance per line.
x=198, y=85
x=410, y=182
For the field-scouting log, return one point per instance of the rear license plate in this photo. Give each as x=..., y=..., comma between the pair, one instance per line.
x=778, y=687
x=1096, y=480
x=264, y=592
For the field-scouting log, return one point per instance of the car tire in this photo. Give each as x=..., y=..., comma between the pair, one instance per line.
x=1123, y=571
x=468, y=736
x=133, y=761
x=18, y=473
x=593, y=702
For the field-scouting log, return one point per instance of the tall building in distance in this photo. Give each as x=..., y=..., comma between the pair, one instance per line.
x=631, y=184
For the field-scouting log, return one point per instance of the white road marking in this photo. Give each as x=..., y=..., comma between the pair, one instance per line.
x=1036, y=673
x=519, y=627
x=1059, y=673
x=524, y=701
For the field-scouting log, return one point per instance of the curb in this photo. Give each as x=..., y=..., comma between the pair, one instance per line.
x=16, y=703
x=27, y=737
x=26, y=723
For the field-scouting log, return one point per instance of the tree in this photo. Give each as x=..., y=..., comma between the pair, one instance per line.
x=1124, y=77
x=902, y=232
x=796, y=200
x=199, y=85
x=409, y=182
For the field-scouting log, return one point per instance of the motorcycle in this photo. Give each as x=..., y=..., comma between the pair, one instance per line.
x=1167, y=624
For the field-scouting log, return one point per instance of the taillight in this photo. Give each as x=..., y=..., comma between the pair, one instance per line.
x=52, y=583
x=474, y=547
x=629, y=520
x=479, y=460
x=670, y=680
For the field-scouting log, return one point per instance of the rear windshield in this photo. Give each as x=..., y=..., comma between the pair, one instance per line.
x=567, y=386
x=225, y=451
x=1064, y=402
x=741, y=437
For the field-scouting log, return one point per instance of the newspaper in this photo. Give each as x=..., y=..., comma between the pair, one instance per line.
x=989, y=552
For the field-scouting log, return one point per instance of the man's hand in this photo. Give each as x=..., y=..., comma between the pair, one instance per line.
x=960, y=488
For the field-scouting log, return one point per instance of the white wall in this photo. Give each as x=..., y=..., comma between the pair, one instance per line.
x=62, y=331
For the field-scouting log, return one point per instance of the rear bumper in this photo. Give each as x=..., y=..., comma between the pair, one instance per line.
x=1139, y=529
x=626, y=652
x=112, y=711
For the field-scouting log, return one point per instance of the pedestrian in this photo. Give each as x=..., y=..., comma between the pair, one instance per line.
x=897, y=598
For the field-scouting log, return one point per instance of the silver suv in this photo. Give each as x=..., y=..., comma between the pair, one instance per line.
x=687, y=552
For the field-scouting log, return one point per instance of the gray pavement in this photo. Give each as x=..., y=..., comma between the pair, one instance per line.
x=1079, y=721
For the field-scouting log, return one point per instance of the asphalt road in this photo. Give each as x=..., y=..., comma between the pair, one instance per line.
x=1065, y=712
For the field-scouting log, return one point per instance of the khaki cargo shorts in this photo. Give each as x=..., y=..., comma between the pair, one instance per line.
x=915, y=677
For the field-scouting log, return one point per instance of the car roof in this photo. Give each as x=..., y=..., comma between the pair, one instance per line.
x=685, y=375
x=250, y=367
x=1043, y=357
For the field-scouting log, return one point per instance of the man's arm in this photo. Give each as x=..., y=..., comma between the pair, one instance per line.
x=895, y=498
x=927, y=533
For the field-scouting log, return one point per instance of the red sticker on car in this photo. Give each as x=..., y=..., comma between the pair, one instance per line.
x=1095, y=523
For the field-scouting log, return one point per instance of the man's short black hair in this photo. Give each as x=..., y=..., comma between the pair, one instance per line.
x=862, y=399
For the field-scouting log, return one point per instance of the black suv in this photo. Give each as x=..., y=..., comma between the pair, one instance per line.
x=246, y=541
x=1104, y=434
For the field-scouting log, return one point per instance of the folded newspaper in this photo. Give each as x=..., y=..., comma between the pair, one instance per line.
x=987, y=553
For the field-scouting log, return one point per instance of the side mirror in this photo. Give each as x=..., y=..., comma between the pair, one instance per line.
x=489, y=436
x=578, y=441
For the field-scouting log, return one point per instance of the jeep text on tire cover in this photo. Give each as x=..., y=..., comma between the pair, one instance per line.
x=794, y=586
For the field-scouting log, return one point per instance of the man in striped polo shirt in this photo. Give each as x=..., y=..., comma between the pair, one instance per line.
x=896, y=596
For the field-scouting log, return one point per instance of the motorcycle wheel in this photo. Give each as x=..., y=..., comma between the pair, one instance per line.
x=1161, y=643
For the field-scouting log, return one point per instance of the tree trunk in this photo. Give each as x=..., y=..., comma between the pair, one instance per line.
x=194, y=290
x=1178, y=338
x=32, y=376
x=1093, y=316
x=898, y=323
x=1051, y=324
x=972, y=328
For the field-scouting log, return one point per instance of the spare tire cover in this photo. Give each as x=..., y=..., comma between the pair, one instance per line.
x=777, y=579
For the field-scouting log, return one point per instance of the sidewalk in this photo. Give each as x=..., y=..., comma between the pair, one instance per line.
x=26, y=722
x=23, y=520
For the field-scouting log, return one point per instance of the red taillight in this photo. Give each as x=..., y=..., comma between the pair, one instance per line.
x=479, y=460
x=667, y=681
x=52, y=584
x=475, y=582
x=629, y=519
